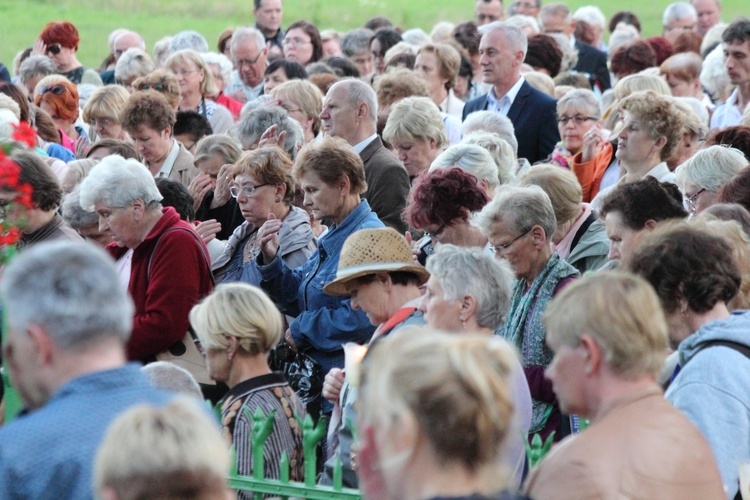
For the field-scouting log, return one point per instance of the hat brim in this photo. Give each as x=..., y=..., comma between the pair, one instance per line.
x=338, y=285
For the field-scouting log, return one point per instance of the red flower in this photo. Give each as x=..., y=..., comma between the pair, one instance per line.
x=24, y=133
x=10, y=237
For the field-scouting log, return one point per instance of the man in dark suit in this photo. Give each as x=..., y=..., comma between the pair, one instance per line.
x=557, y=18
x=350, y=111
x=533, y=113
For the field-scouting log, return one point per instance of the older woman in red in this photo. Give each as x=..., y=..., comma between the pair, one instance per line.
x=60, y=101
x=59, y=42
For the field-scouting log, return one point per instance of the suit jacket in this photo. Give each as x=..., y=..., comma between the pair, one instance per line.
x=533, y=114
x=594, y=62
x=387, y=184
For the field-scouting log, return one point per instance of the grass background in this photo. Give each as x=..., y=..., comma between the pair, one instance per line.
x=23, y=20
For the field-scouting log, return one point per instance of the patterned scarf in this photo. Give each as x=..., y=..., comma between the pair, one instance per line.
x=524, y=327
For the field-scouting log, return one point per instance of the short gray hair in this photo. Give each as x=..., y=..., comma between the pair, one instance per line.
x=592, y=15
x=36, y=66
x=677, y=11
x=74, y=215
x=251, y=126
x=356, y=41
x=69, y=288
x=471, y=271
x=696, y=116
x=415, y=118
x=358, y=92
x=246, y=32
x=223, y=62
x=188, y=40
x=500, y=151
x=133, y=63
x=118, y=182
x=527, y=207
x=472, y=159
x=522, y=21
x=580, y=98
x=513, y=34
x=172, y=378
x=710, y=168
x=494, y=123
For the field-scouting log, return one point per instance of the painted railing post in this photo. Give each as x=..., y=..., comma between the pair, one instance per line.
x=311, y=434
x=13, y=403
x=536, y=450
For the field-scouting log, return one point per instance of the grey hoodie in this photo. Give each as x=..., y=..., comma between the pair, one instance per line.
x=713, y=391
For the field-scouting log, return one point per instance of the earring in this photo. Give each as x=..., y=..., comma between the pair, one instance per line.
x=278, y=199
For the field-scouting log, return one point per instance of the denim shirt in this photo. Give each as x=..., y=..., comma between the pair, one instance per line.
x=322, y=322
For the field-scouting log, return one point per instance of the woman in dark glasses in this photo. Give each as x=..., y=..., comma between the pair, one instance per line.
x=60, y=100
x=59, y=42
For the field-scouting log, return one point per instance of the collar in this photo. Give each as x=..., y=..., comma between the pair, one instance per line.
x=511, y=94
x=255, y=383
x=168, y=165
x=359, y=147
x=659, y=171
x=349, y=224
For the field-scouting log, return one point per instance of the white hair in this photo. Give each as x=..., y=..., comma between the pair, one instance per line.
x=471, y=271
x=246, y=32
x=117, y=182
x=624, y=33
x=133, y=63
x=710, y=168
x=188, y=40
x=521, y=22
x=678, y=11
x=712, y=37
x=697, y=118
x=222, y=61
x=172, y=378
x=714, y=76
x=249, y=129
x=592, y=15
x=489, y=121
x=513, y=34
x=69, y=288
x=442, y=32
x=416, y=37
x=525, y=207
x=500, y=151
x=472, y=159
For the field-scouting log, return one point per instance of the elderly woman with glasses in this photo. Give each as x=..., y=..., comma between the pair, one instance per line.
x=578, y=112
x=263, y=187
x=701, y=177
x=162, y=261
x=59, y=42
x=196, y=88
x=519, y=224
x=60, y=101
x=469, y=291
x=149, y=119
x=102, y=112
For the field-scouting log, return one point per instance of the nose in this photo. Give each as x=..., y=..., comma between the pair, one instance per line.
x=103, y=226
x=483, y=60
x=423, y=305
x=402, y=156
x=354, y=303
x=614, y=251
x=307, y=200
x=324, y=115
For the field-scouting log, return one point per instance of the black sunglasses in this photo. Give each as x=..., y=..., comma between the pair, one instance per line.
x=55, y=89
x=154, y=86
x=53, y=49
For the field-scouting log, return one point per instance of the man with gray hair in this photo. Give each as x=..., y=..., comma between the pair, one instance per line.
x=250, y=57
x=123, y=41
x=502, y=50
x=355, y=45
x=350, y=111
x=678, y=17
x=253, y=124
x=69, y=318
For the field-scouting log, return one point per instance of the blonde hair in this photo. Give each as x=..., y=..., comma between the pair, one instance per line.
x=499, y=149
x=562, y=187
x=660, y=115
x=175, y=451
x=188, y=56
x=106, y=102
x=448, y=60
x=304, y=94
x=456, y=387
x=621, y=312
x=541, y=82
x=241, y=311
x=415, y=118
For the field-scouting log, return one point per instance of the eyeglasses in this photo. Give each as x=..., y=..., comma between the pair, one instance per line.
x=295, y=41
x=155, y=86
x=504, y=248
x=435, y=236
x=248, y=62
x=577, y=119
x=247, y=190
x=690, y=200
x=184, y=72
x=55, y=89
x=53, y=49
x=104, y=122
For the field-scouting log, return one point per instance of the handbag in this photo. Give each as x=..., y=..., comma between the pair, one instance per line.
x=304, y=374
x=185, y=353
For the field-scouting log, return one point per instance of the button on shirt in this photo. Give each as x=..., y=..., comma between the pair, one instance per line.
x=503, y=104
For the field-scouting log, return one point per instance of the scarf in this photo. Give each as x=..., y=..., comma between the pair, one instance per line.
x=525, y=330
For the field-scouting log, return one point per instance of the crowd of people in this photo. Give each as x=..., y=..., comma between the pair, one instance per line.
x=430, y=247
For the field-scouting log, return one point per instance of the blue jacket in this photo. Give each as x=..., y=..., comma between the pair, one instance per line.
x=50, y=451
x=322, y=322
x=534, y=117
x=712, y=390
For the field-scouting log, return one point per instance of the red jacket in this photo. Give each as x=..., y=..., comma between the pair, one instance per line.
x=234, y=106
x=180, y=277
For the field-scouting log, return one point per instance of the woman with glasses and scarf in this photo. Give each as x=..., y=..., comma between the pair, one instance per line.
x=263, y=186
x=59, y=42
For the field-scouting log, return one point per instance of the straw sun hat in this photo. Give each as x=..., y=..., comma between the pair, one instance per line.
x=371, y=251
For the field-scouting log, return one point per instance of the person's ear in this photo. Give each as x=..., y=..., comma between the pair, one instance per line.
x=233, y=346
x=43, y=343
x=139, y=208
x=661, y=142
x=168, y=131
x=650, y=224
x=362, y=111
x=344, y=185
x=594, y=355
x=538, y=235
x=468, y=307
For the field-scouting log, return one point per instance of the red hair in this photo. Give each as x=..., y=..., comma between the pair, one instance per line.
x=65, y=104
x=443, y=196
x=63, y=33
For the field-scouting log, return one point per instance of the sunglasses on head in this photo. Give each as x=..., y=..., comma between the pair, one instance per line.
x=55, y=89
x=54, y=49
x=154, y=86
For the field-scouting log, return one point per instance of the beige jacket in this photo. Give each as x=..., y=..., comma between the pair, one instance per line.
x=641, y=448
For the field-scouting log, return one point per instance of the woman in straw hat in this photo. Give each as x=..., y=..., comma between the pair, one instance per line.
x=377, y=271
